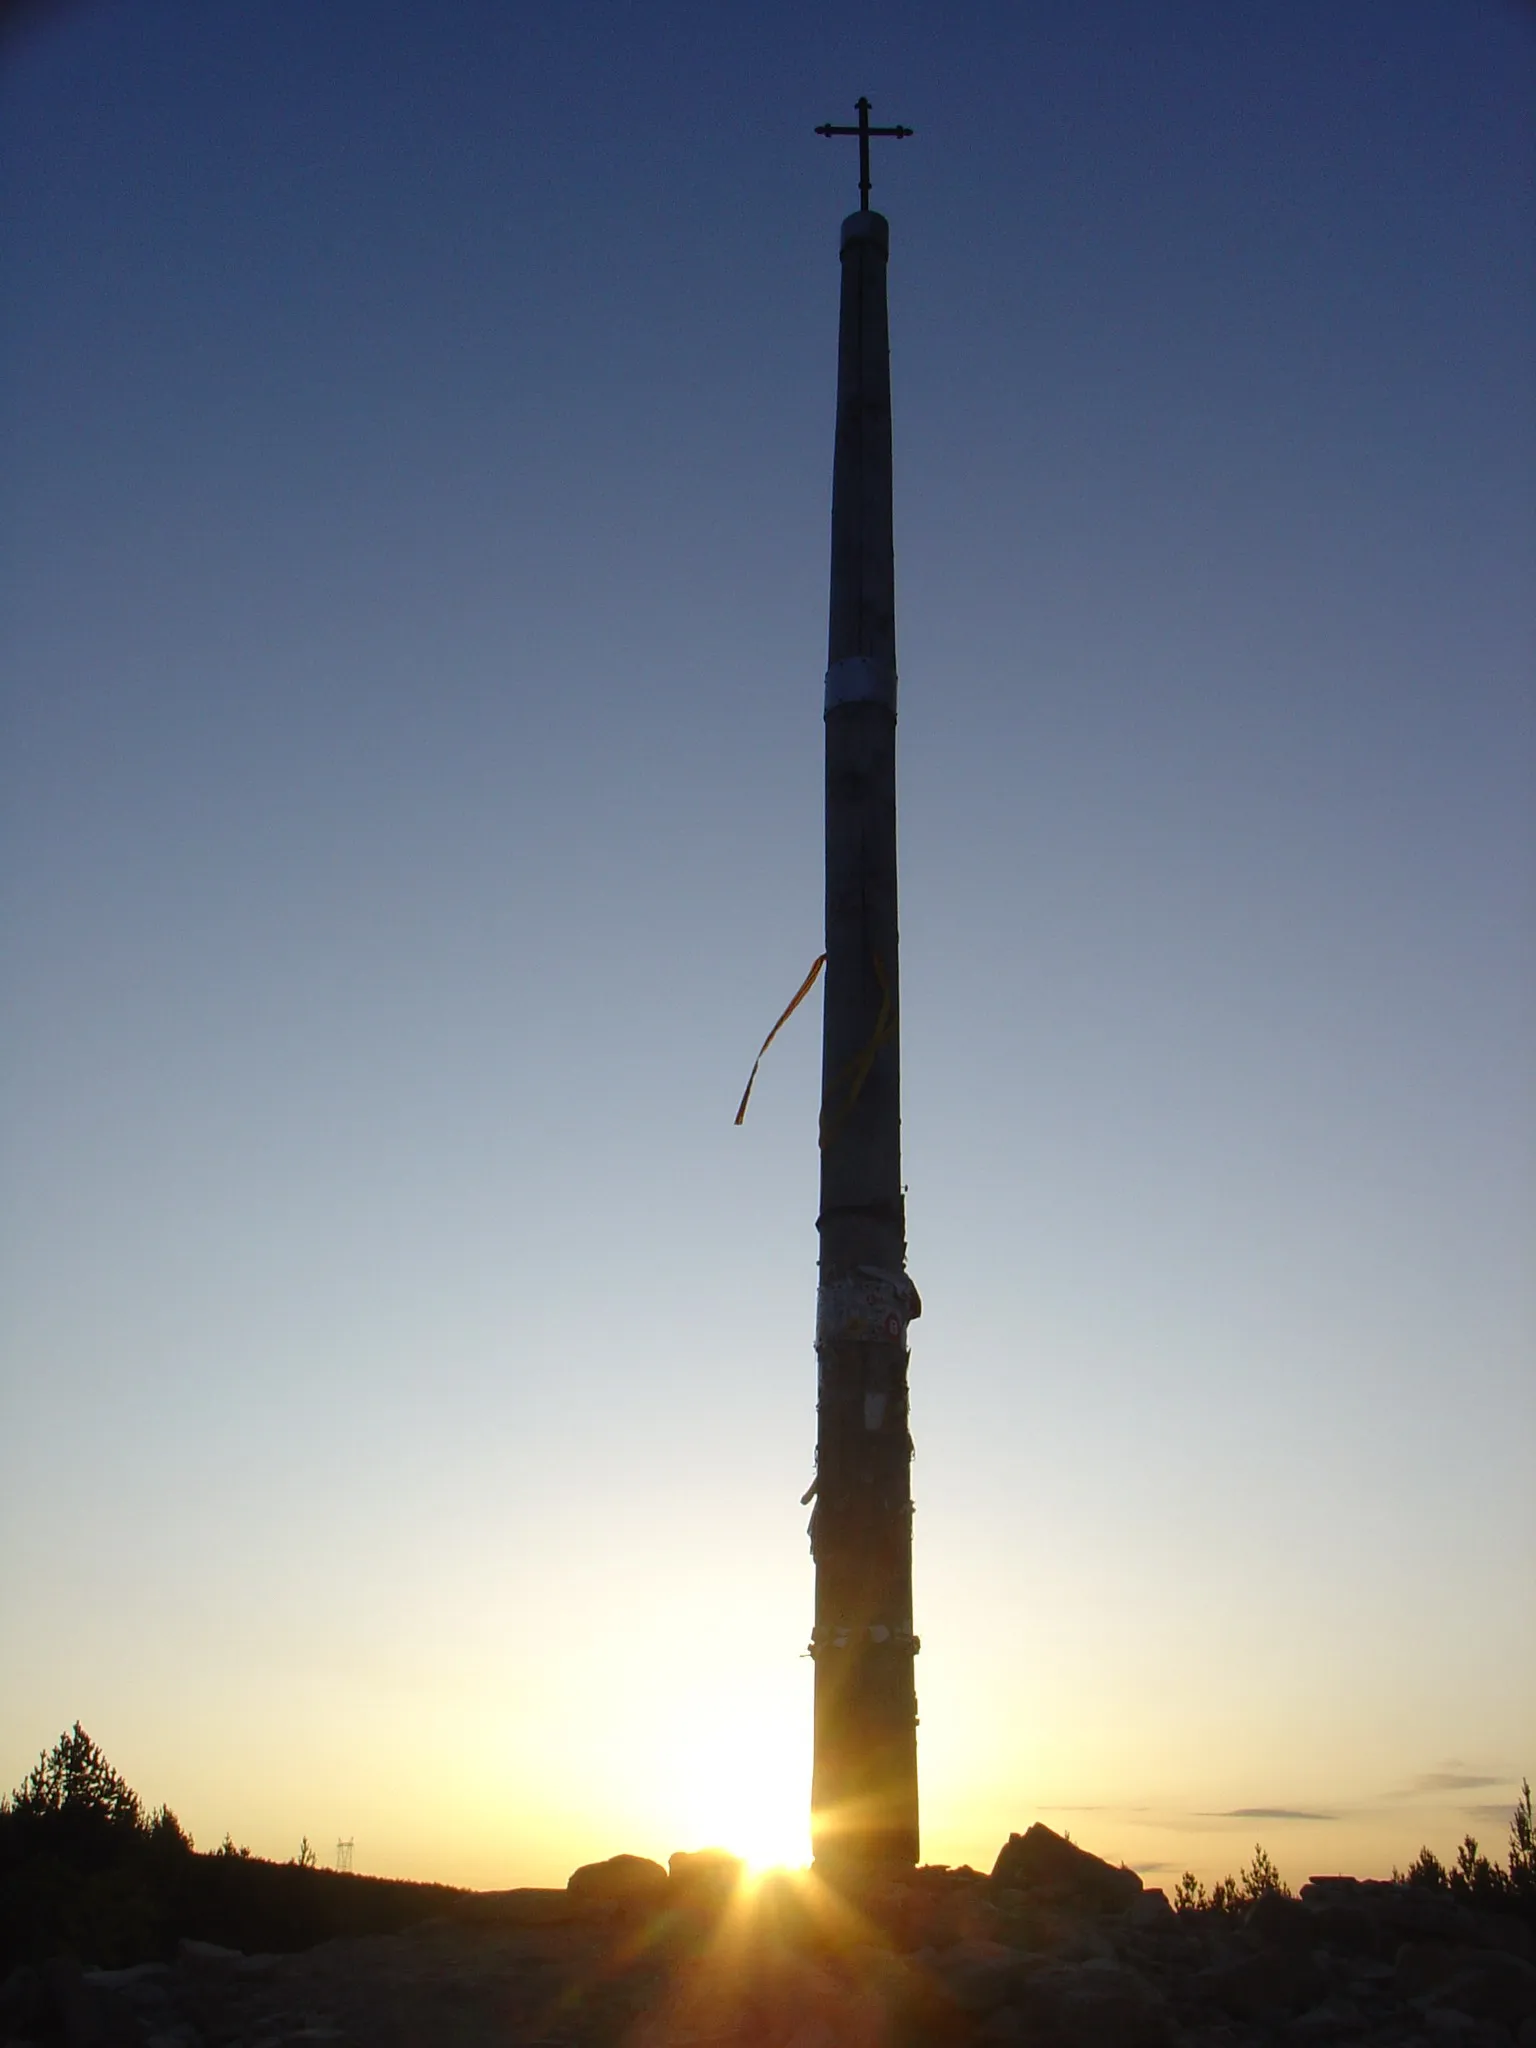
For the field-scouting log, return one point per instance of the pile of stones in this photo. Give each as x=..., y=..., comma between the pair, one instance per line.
x=1055, y=1949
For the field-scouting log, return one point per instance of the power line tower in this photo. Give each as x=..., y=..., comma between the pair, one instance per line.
x=864, y=1783
x=343, y=1854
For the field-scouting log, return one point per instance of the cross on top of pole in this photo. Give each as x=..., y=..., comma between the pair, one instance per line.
x=863, y=132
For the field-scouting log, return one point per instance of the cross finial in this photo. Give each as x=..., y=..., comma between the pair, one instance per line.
x=863, y=132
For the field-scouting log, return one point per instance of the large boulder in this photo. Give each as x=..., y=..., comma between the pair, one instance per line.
x=23, y=2003
x=1264, y=1985
x=1048, y=1866
x=1105, y=2006
x=1488, y=1984
x=980, y=1976
x=1280, y=1922
x=619, y=1881
x=704, y=1877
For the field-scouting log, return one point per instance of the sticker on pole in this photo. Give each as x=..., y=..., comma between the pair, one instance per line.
x=867, y=1306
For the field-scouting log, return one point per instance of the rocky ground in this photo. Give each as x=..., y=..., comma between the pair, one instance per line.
x=1054, y=1950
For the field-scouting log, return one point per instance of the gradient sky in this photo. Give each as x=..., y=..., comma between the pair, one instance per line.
x=417, y=454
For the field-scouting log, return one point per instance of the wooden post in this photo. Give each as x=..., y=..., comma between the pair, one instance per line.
x=864, y=1784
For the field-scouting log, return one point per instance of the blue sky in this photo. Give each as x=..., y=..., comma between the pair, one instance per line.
x=417, y=455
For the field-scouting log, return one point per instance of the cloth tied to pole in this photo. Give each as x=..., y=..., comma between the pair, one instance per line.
x=788, y=1011
x=866, y=1306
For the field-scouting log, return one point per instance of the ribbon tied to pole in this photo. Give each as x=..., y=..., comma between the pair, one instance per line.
x=790, y=1008
x=850, y=1078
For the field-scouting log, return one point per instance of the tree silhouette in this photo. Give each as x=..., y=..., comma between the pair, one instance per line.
x=74, y=1803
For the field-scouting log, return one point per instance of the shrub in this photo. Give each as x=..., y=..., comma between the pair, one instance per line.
x=1262, y=1877
x=1522, y=1846
x=1473, y=1877
x=1229, y=1894
x=1426, y=1871
x=1189, y=1894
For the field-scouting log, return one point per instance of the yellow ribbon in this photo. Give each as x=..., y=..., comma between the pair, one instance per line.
x=794, y=1003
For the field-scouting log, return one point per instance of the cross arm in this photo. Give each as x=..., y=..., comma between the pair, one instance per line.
x=863, y=132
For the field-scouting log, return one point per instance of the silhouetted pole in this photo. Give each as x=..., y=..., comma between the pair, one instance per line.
x=864, y=1783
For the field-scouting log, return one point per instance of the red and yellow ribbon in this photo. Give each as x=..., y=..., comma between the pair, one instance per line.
x=793, y=1004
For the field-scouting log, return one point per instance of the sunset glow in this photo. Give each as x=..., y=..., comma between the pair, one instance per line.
x=414, y=566
x=746, y=1790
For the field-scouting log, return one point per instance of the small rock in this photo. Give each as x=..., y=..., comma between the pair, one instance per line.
x=1334, y=2020
x=1095, y=2005
x=125, y=1980
x=889, y=1976
x=1500, y=1930
x=1150, y=1912
x=963, y=1916
x=1036, y=1924
x=1422, y=1967
x=1004, y=2027
x=813, y=2033
x=87, y=2016
x=1081, y=1941
x=1450, y=2029
x=1110, y=2008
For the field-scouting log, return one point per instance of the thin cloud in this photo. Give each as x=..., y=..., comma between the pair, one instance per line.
x=1270, y=1813
x=1451, y=1781
x=1501, y=1813
x=1110, y=1808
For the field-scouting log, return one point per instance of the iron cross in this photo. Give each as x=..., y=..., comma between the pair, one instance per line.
x=863, y=132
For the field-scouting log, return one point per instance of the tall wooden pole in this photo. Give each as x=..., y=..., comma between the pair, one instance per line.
x=864, y=1783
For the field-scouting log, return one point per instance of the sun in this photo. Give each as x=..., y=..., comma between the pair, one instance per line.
x=747, y=1790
